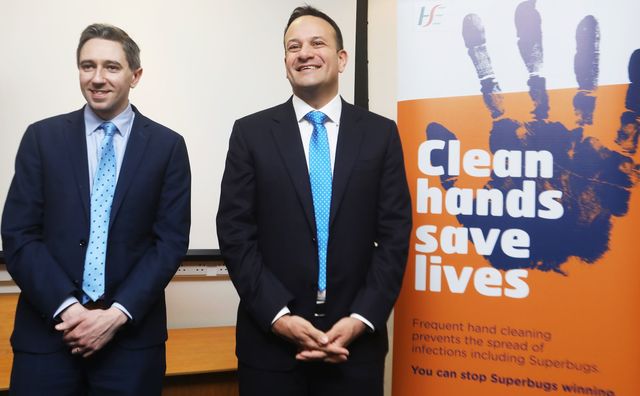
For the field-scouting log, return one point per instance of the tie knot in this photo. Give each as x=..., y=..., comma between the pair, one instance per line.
x=316, y=117
x=109, y=128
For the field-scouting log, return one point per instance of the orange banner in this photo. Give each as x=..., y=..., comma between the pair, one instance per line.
x=523, y=272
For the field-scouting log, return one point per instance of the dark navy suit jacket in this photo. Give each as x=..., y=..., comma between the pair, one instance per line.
x=45, y=228
x=266, y=229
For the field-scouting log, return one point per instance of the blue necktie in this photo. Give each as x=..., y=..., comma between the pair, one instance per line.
x=104, y=185
x=320, y=177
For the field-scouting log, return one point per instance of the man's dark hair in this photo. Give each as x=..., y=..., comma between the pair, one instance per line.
x=112, y=33
x=312, y=11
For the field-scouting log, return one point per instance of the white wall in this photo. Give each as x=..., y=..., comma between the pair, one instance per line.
x=383, y=80
x=382, y=94
x=201, y=303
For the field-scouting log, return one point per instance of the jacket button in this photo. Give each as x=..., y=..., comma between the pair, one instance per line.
x=314, y=240
x=83, y=243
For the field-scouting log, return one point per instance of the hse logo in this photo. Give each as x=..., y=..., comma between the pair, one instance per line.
x=430, y=14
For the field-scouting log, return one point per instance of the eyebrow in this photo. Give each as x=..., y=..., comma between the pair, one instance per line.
x=91, y=61
x=297, y=40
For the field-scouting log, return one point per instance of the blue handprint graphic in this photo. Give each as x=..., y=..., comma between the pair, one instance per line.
x=595, y=181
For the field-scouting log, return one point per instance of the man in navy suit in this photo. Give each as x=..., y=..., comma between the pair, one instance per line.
x=92, y=251
x=314, y=223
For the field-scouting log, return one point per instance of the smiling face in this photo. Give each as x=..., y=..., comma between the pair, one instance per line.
x=105, y=77
x=312, y=60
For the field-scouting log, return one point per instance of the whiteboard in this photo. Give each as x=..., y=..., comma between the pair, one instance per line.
x=206, y=63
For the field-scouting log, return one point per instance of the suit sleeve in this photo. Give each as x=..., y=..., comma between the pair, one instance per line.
x=376, y=298
x=150, y=276
x=261, y=293
x=39, y=276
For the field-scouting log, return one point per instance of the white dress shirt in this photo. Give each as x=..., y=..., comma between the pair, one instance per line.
x=332, y=110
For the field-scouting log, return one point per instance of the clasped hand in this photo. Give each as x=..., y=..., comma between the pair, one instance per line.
x=87, y=331
x=315, y=345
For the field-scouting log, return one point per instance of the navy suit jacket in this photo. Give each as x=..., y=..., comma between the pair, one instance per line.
x=45, y=228
x=266, y=229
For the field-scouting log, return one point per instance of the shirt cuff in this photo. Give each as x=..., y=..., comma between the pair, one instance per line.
x=281, y=313
x=361, y=318
x=65, y=304
x=123, y=309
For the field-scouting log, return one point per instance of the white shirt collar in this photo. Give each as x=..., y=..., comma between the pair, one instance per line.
x=122, y=121
x=333, y=109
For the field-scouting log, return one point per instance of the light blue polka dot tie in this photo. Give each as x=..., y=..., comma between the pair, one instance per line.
x=104, y=185
x=320, y=177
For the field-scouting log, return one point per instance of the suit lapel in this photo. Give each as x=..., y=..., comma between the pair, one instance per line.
x=349, y=142
x=286, y=134
x=76, y=138
x=132, y=156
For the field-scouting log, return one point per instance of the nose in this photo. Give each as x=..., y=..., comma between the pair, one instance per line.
x=97, y=77
x=306, y=52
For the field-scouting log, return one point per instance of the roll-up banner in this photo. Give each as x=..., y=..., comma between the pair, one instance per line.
x=519, y=122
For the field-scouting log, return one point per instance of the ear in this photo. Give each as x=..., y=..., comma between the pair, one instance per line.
x=342, y=60
x=136, y=77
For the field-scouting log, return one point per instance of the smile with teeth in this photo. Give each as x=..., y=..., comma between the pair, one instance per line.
x=308, y=67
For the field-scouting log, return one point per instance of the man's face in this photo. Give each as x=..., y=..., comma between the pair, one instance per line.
x=105, y=77
x=312, y=59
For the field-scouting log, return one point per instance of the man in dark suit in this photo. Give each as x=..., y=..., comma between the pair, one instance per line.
x=314, y=223
x=95, y=224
